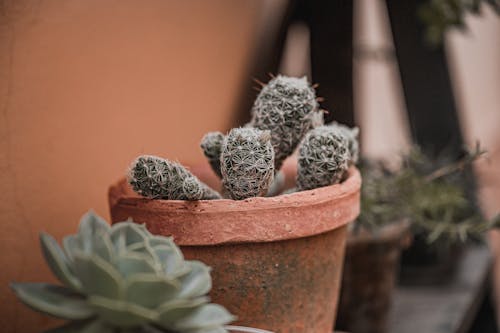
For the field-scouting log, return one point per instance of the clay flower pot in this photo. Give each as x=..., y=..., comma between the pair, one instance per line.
x=370, y=271
x=276, y=261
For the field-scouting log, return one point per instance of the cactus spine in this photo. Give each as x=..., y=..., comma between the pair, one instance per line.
x=288, y=108
x=159, y=178
x=247, y=163
x=323, y=158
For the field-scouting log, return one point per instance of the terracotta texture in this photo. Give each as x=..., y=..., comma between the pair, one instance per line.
x=276, y=261
x=370, y=271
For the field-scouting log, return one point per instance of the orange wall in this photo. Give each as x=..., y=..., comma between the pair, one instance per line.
x=85, y=86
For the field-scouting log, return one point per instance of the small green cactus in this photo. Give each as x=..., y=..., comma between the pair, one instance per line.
x=352, y=138
x=212, y=146
x=122, y=279
x=287, y=107
x=323, y=158
x=159, y=178
x=247, y=163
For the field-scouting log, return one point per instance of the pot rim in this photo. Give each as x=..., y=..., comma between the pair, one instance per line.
x=260, y=219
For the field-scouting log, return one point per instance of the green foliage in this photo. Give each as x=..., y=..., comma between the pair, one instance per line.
x=324, y=158
x=440, y=15
x=247, y=163
x=430, y=196
x=123, y=279
x=288, y=108
x=159, y=178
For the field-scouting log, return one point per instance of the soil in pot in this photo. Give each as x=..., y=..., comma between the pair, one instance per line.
x=370, y=272
x=429, y=264
x=276, y=261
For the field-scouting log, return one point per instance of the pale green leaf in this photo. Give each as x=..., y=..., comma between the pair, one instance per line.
x=58, y=262
x=150, y=290
x=206, y=316
x=120, y=313
x=53, y=300
x=98, y=277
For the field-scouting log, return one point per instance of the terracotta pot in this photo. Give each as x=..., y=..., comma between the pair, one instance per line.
x=370, y=271
x=276, y=261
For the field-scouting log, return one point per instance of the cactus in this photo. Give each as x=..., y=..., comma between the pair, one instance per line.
x=123, y=279
x=323, y=158
x=247, y=163
x=212, y=145
x=288, y=108
x=352, y=138
x=158, y=178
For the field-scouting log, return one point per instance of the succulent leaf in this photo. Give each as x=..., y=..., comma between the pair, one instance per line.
x=150, y=290
x=97, y=276
x=124, y=235
x=53, y=300
x=170, y=312
x=197, y=282
x=120, y=313
x=206, y=316
x=92, y=224
x=57, y=261
x=129, y=281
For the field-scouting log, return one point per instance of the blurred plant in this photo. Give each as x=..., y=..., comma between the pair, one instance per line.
x=440, y=15
x=158, y=178
x=247, y=163
x=324, y=157
x=431, y=197
x=288, y=108
x=123, y=279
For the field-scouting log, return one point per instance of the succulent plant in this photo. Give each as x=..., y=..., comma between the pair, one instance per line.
x=159, y=178
x=287, y=107
x=123, y=279
x=247, y=163
x=212, y=146
x=323, y=158
x=352, y=139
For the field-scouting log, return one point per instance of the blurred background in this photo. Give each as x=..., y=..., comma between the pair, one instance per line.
x=86, y=86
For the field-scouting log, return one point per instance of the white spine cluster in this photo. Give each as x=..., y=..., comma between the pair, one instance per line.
x=247, y=163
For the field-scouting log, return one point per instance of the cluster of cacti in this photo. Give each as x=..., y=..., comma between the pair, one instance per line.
x=288, y=108
x=158, y=178
x=124, y=279
x=324, y=158
x=247, y=163
x=248, y=159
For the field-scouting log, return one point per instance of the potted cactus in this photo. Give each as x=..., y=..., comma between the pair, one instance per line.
x=281, y=254
x=123, y=279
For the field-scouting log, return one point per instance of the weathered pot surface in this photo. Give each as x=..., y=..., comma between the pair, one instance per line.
x=276, y=261
x=370, y=271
